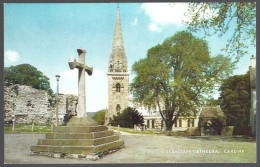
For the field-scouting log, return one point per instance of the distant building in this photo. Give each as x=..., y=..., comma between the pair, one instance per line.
x=183, y=122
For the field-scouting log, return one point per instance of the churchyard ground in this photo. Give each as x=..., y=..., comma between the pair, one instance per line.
x=145, y=148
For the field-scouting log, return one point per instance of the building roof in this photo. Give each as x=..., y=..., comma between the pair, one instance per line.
x=212, y=111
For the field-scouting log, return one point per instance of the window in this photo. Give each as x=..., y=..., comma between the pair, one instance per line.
x=188, y=122
x=118, y=108
x=118, y=87
x=192, y=122
x=153, y=122
x=180, y=123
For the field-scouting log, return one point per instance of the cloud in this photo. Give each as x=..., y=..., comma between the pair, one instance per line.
x=163, y=14
x=134, y=23
x=73, y=74
x=69, y=74
x=154, y=27
x=11, y=56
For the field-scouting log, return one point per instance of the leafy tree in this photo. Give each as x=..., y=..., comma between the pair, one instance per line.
x=217, y=18
x=99, y=117
x=128, y=118
x=235, y=102
x=26, y=74
x=176, y=74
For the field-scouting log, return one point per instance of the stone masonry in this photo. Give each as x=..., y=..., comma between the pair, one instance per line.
x=28, y=104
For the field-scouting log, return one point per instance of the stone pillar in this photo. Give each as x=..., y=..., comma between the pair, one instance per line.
x=13, y=120
x=33, y=125
x=81, y=85
x=118, y=130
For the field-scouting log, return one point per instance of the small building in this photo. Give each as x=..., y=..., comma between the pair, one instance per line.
x=212, y=120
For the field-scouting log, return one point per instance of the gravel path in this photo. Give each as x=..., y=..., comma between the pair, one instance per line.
x=144, y=149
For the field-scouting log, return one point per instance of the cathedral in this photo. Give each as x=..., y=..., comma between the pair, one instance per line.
x=118, y=76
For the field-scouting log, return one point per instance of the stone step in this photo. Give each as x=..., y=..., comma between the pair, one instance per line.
x=78, y=142
x=77, y=149
x=90, y=135
x=79, y=129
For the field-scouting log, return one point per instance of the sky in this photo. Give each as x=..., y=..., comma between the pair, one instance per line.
x=47, y=35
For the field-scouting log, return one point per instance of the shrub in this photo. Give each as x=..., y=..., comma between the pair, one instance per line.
x=128, y=118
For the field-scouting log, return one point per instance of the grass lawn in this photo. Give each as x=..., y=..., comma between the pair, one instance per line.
x=131, y=130
x=27, y=128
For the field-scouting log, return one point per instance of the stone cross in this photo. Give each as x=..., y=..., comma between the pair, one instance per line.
x=81, y=80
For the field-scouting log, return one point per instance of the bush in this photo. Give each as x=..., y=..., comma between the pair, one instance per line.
x=193, y=131
x=66, y=119
x=128, y=118
x=176, y=133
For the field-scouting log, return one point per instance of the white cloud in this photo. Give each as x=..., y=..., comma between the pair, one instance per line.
x=73, y=74
x=11, y=56
x=154, y=27
x=69, y=74
x=134, y=23
x=69, y=80
x=97, y=74
x=163, y=14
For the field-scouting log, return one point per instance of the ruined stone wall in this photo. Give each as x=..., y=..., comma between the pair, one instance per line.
x=28, y=104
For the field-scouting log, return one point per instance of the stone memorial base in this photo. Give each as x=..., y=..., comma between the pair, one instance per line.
x=78, y=141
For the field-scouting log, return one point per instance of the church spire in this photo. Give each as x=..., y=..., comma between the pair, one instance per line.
x=117, y=60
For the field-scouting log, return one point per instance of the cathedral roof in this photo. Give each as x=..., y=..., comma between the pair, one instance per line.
x=117, y=61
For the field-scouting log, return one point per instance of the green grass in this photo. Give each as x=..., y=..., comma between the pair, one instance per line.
x=131, y=130
x=27, y=128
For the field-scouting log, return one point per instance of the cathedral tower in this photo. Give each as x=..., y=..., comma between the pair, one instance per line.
x=118, y=77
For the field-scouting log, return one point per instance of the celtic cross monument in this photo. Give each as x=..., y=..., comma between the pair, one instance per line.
x=81, y=119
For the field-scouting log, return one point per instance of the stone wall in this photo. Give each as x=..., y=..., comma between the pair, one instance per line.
x=28, y=104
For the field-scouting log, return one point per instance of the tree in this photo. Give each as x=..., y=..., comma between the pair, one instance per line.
x=128, y=118
x=176, y=74
x=218, y=17
x=235, y=102
x=26, y=74
x=99, y=117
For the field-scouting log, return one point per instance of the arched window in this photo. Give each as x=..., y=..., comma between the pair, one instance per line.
x=118, y=87
x=118, y=108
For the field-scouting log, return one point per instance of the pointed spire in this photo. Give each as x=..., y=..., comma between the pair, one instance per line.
x=117, y=60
